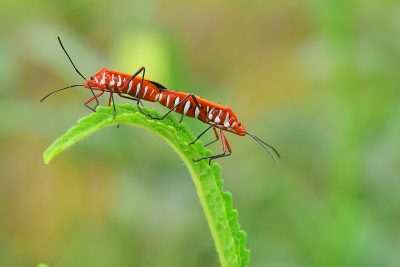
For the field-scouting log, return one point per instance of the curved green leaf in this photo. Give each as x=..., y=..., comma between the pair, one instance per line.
x=217, y=204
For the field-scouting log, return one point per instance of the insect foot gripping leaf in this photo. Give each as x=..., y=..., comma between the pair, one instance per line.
x=217, y=205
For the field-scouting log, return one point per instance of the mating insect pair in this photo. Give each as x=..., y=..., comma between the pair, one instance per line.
x=136, y=87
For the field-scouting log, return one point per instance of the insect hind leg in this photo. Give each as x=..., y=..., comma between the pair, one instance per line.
x=175, y=106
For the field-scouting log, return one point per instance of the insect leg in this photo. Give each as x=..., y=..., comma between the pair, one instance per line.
x=111, y=99
x=225, y=147
x=181, y=119
x=95, y=97
x=91, y=90
x=119, y=93
x=175, y=106
x=143, y=70
x=200, y=135
x=216, y=136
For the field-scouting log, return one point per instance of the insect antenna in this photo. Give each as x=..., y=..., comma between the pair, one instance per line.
x=58, y=90
x=62, y=46
x=271, y=150
x=76, y=69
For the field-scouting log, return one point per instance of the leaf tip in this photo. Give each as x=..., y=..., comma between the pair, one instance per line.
x=46, y=161
x=47, y=157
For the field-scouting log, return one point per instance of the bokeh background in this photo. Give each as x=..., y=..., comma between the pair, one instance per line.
x=319, y=80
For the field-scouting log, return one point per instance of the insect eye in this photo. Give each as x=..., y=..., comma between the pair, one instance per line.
x=91, y=78
x=239, y=123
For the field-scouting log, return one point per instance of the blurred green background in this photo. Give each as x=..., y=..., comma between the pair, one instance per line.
x=319, y=80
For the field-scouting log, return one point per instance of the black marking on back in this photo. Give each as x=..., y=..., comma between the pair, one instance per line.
x=159, y=86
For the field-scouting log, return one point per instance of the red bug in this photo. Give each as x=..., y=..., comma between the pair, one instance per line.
x=137, y=87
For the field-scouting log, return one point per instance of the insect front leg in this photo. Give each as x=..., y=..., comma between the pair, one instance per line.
x=94, y=97
x=216, y=136
x=200, y=135
x=225, y=147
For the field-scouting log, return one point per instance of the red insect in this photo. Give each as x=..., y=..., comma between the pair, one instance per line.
x=137, y=87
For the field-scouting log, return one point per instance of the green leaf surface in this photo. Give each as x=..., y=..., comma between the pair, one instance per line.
x=217, y=205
